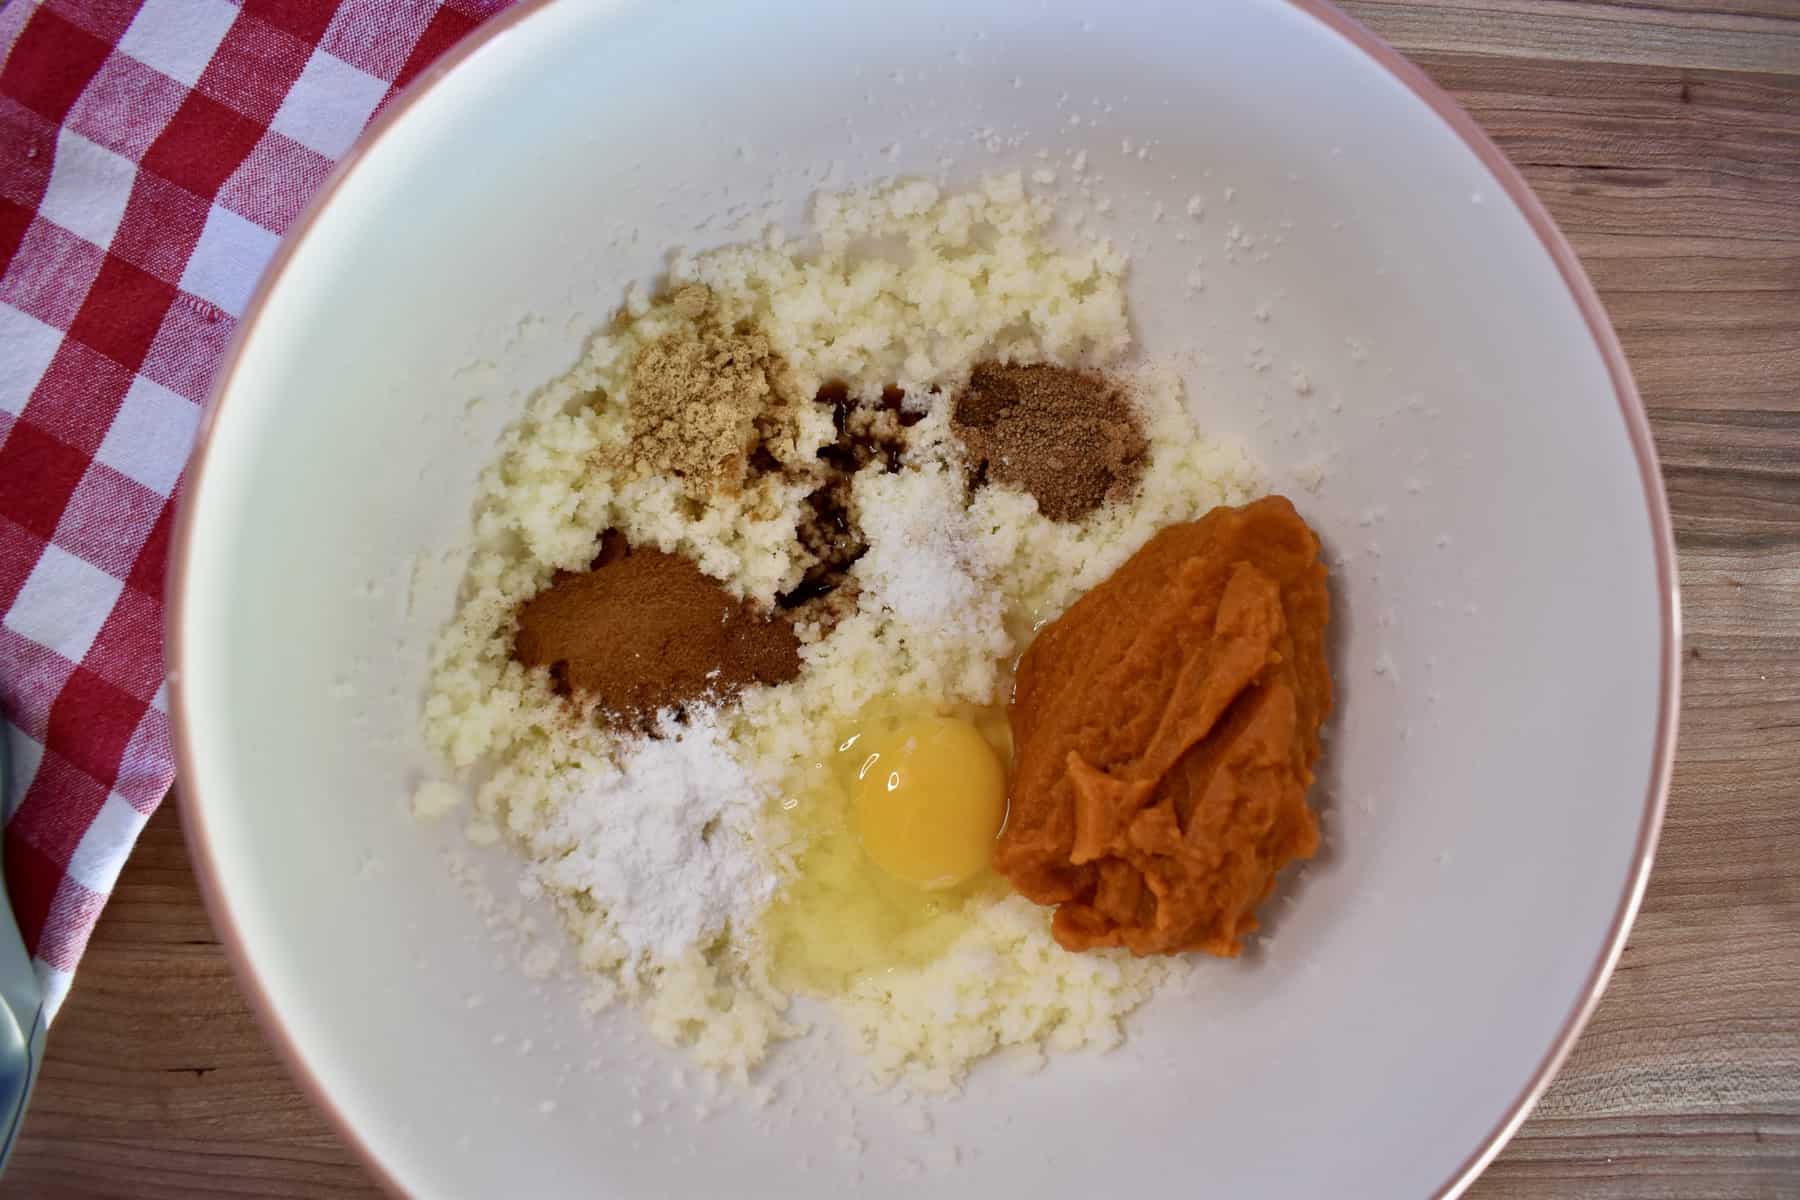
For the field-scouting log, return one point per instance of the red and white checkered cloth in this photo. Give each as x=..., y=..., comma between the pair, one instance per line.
x=151, y=154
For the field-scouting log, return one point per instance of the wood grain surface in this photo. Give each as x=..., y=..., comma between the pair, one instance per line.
x=1665, y=137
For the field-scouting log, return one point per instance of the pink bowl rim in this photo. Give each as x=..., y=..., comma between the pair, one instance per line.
x=1581, y=289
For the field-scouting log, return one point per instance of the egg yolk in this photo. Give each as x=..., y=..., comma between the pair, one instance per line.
x=928, y=799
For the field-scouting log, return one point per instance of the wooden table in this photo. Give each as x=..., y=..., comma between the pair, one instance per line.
x=1665, y=137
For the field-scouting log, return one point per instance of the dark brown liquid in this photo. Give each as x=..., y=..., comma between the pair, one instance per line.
x=864, y=434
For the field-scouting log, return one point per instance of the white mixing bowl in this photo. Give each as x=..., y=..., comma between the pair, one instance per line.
x=1387, y=316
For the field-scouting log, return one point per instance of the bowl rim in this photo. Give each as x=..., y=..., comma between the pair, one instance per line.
x=1404, y=72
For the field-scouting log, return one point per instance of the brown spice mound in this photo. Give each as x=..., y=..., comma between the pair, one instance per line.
x=643, y=630
x=1165, y=730
x=702, y=400
x=1073, y=439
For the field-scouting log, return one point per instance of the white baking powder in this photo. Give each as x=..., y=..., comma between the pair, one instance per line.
x=665, y=844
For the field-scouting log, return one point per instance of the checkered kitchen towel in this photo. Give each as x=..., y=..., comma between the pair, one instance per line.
x=151, y=154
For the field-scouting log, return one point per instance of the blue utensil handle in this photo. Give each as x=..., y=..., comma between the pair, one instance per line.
x=20, y=1053
x=21, y=1005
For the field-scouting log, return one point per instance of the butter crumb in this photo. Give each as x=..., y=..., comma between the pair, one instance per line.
x=434, y=798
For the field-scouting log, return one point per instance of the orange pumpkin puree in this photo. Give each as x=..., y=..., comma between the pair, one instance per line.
x=1165, y=729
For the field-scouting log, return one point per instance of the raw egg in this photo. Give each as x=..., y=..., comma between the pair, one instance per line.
x=928, y=799
x=872, y=891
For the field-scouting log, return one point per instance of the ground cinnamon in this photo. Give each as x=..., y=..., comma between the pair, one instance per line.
x=1072, y=439
x=643, y=630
